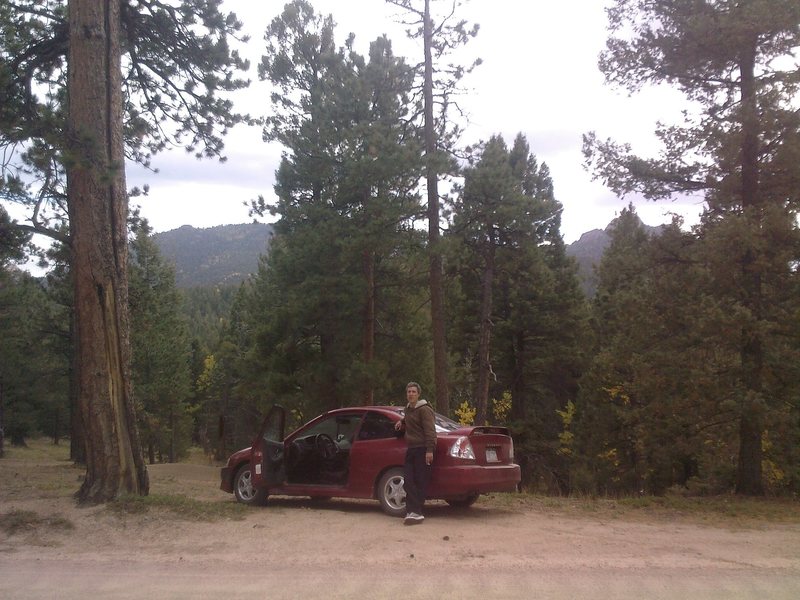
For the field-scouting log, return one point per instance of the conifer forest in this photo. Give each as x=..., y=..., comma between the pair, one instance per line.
x=401, y=250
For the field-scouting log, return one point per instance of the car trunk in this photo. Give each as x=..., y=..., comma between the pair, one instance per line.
x=492, y=445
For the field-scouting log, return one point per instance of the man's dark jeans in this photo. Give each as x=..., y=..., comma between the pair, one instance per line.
x=417, y=476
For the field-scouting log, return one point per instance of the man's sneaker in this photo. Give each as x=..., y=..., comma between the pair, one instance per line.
x=413, y=519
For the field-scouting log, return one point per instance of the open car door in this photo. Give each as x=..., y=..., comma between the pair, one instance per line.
x=267, y=463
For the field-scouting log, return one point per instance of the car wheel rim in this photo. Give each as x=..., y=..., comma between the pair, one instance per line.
x=246, y=491
x=395, y=493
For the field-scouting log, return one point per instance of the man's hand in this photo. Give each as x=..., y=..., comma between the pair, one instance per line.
x=399, y=425
x=428, y=458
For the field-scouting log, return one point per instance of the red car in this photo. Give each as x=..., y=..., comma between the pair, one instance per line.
x=356, y=453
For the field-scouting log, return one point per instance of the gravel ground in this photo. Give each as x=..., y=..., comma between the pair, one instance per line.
x=346, y=549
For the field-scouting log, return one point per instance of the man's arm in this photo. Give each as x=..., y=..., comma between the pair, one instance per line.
x=429, y=429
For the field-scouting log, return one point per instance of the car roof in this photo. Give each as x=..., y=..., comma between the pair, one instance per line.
x=395, y=409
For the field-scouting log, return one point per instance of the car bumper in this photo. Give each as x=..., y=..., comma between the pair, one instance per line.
x=226, y=479
x=450, y=482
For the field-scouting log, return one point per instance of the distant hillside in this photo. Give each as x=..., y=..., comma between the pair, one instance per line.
x=228, y=254
x=222, y=255
x=589, y=249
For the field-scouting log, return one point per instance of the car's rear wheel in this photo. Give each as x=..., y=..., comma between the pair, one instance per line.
x=244, y=490
x=391, y=493
x=464, y=502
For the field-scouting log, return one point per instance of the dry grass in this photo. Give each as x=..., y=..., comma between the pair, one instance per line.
x=724, y=511
x=40, y=468
x=43, y=470
x=190, y=491
x=178, y=505
x=28, y=521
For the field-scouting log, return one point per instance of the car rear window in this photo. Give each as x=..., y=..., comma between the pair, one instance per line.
x=442, y=423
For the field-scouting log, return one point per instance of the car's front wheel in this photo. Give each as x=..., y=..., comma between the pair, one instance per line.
x=244, y=490
x=391, y=493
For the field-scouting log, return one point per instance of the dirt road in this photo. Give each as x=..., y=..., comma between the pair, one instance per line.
x=346, y=549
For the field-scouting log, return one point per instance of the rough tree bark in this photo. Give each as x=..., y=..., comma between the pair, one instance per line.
x=369, y=321
x=77, y=441
x=749, y=469
x=440, y=370
x=2, y=419
x=485, y=337
x=98, y=208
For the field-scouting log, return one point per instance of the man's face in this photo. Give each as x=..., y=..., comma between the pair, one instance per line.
x=412, y=395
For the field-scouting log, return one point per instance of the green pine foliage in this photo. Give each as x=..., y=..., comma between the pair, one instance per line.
x=660, y=405
x=33, y=361
x=33, y=347
x=736, y=64
x=639, y=419
x=207, y=309
x=682, y=372
x=179, y=63
x=337, y=301
x=510, y=267
x=161, y=352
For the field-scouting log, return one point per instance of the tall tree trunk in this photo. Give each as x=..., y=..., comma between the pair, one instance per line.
x=77, y=440
x=172, y=436
x=440, y=369
x=485, y=339
x=329, y=354
x=518, y=382
x=369, y=322
x=98, y=209
x=749, y=470
x=2, y=418
x=56, y=426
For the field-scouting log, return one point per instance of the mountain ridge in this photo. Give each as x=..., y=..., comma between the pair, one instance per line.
x=229, y=254
x=589, y=248
x=212, y=256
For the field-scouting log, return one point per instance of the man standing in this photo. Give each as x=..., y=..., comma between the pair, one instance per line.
x=420, y=433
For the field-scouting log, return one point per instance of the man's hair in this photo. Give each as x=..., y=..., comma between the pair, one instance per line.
x=414, y=384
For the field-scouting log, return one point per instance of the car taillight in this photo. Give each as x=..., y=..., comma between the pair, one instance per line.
x=511, y=451
x=462, y=448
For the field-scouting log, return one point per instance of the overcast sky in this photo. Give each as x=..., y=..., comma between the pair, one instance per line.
x=539, y=76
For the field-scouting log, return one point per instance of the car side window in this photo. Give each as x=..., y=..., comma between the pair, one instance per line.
x=340, y=428
x=376, y=427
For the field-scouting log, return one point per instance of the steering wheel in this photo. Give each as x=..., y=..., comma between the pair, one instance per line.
x=326, y=446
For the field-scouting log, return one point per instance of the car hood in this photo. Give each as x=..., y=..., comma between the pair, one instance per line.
x=240, y=454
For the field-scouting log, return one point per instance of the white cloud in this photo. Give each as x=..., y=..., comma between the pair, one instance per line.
x=539, y=77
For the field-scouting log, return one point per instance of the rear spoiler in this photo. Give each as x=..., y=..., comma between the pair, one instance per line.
x=487, y=430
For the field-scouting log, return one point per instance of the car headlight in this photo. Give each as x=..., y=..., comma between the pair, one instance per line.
x=462, y=448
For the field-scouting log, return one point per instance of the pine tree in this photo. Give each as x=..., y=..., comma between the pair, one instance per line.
x=33, y=367
x=506, y=210
x=346, y=198
x=610, y=422
x=160, y=352
x=178, y=60
x=172, y=71
x=485, y=214
x=735, y=63
x=521, y=317
x=439, y=82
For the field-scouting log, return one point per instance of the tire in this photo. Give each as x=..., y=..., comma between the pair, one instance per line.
x=243, y=488
x=465, y=502
x=391, y=493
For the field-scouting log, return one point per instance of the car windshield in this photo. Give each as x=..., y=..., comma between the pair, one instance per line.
x=442, y=423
